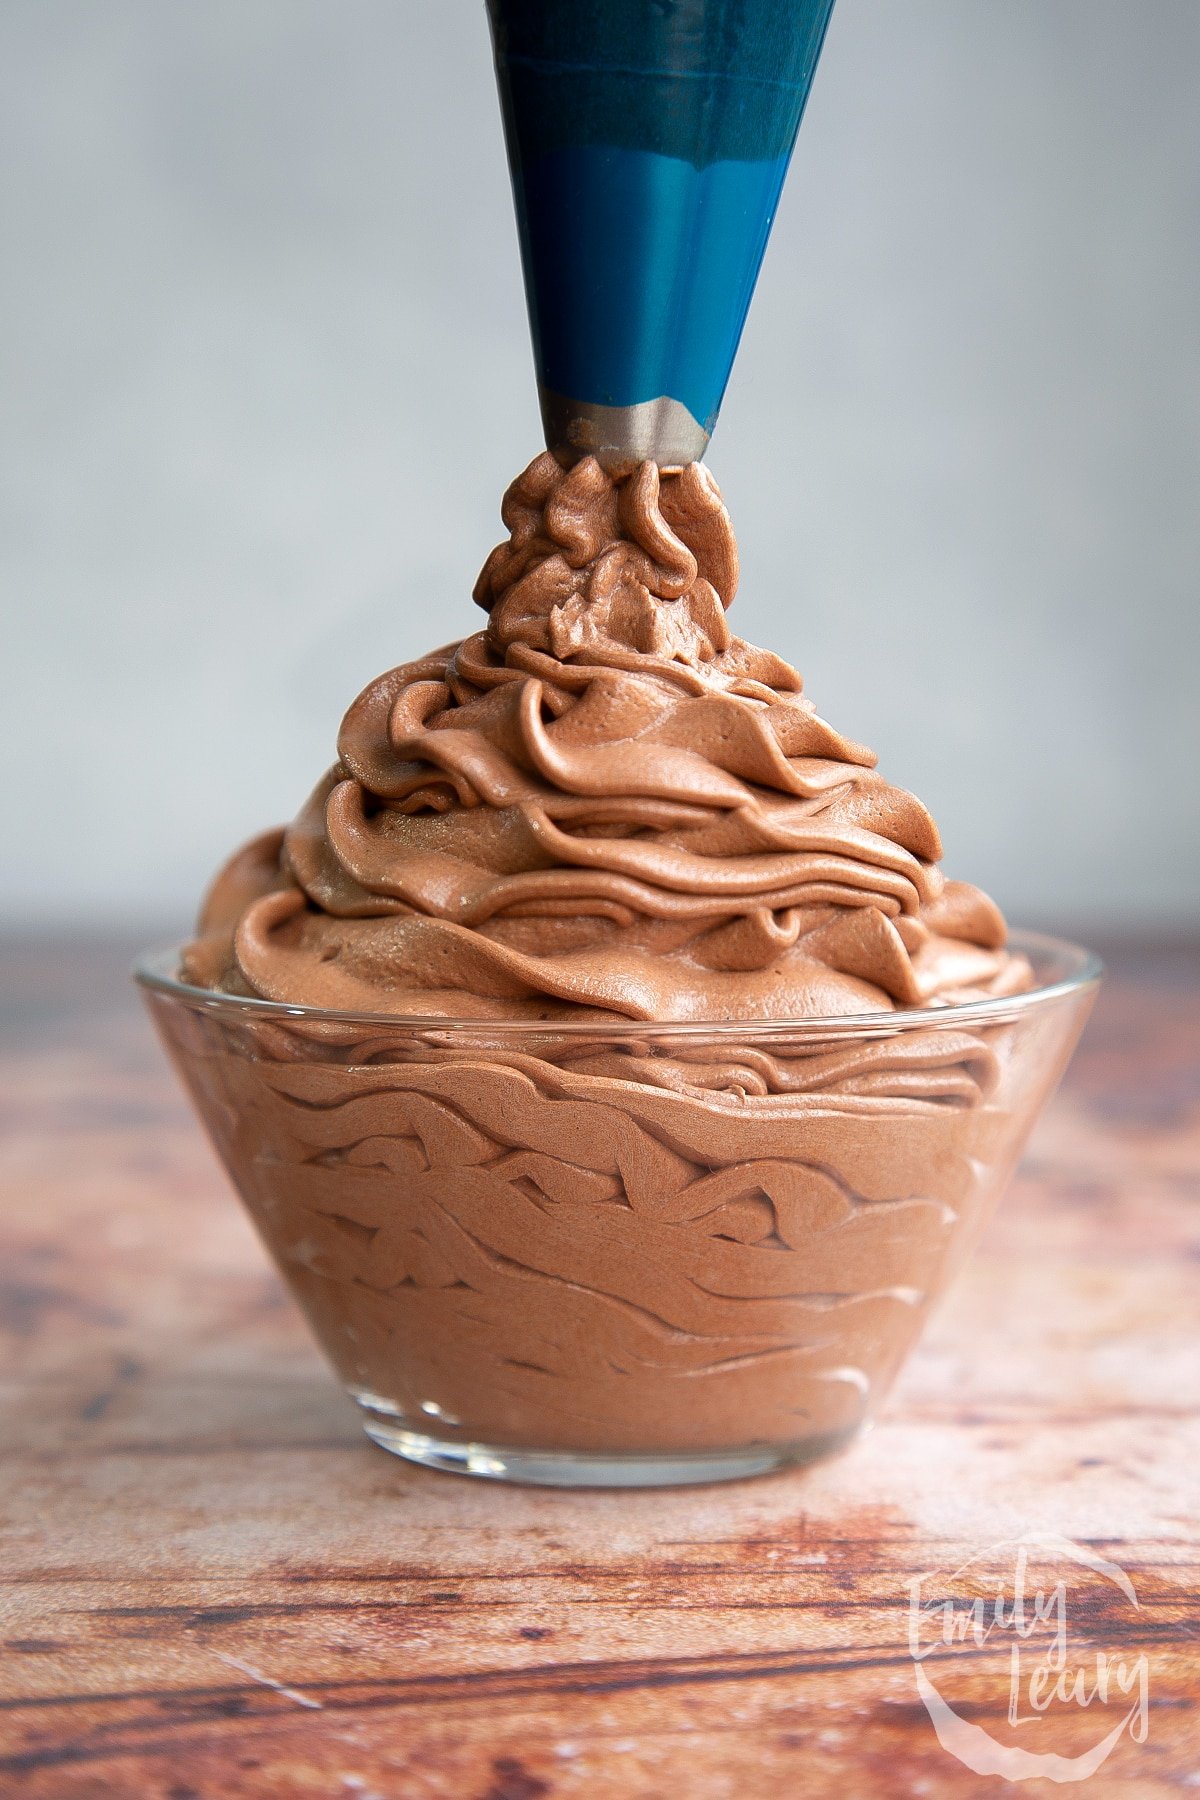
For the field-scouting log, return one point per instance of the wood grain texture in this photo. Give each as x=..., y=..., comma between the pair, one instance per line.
x=212, y=1585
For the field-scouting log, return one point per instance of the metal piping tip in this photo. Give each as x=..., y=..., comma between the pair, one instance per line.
x=621, y=437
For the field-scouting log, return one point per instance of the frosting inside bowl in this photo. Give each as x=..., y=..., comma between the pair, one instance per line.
x=605, y=809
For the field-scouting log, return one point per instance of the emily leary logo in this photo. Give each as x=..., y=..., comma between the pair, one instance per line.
x=1001, y=1625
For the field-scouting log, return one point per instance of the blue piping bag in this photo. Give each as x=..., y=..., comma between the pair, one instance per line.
x=648, y=142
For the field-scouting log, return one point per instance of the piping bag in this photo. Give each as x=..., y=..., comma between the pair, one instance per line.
x=648, y=142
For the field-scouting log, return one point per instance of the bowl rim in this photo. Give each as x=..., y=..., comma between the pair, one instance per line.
x=1082, y=970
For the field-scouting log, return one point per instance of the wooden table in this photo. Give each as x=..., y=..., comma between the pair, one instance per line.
x=214, y=1586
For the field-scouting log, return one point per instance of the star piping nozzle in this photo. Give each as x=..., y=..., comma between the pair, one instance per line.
x=648, y=142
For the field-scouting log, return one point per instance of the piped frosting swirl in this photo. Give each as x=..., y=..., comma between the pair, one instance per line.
x=602, y=805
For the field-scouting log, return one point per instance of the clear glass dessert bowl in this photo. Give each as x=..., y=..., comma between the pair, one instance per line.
x=589, y=1253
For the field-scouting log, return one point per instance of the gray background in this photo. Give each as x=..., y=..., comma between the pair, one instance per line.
x=265, y=376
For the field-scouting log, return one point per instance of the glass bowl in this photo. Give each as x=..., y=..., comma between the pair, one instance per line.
x=598, y=1254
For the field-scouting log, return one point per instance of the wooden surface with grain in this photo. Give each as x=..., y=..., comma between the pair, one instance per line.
x=212, y=1585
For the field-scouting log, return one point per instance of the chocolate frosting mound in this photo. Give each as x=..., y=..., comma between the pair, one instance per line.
x=602, y=805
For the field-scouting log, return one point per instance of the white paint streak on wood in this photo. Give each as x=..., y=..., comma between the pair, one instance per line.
x=235, y=1662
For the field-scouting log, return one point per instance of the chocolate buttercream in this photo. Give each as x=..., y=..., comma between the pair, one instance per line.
x=605, y=808
x=605, y=804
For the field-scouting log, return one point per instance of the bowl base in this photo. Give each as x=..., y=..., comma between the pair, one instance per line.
x=595, y=1468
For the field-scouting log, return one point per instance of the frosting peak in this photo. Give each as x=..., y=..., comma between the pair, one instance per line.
x=602, y=804
x=604, y=568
